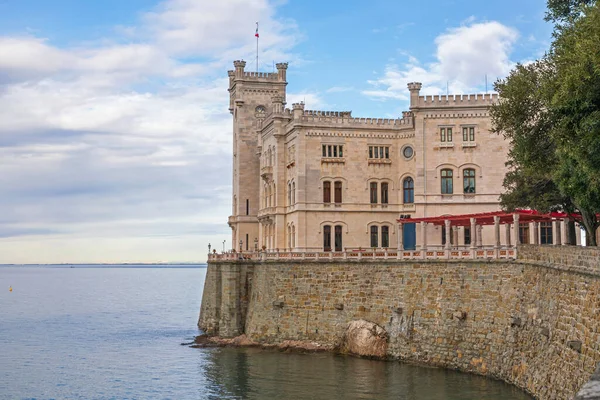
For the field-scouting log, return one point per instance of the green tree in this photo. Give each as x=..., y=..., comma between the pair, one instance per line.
x=564, y=10
x=550, y=112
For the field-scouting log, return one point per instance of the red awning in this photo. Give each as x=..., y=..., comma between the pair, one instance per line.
x=488, y=218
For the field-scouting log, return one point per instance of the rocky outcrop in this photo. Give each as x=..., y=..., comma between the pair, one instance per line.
x=364, y=338
x=591, y=390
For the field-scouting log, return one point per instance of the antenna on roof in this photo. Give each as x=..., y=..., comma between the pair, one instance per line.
x=447, y=89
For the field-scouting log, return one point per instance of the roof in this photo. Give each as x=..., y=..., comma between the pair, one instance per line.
x=488, y=218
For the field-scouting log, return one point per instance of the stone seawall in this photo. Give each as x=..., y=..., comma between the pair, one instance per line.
x=535, y=326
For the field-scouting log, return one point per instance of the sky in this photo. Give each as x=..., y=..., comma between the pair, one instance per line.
x=115, y=134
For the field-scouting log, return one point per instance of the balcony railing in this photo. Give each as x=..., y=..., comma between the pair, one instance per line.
x=480, y=253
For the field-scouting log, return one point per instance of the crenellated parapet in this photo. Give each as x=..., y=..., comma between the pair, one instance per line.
x=465, y=100
x=240, y=74
x=344, y=118
x=343, y=114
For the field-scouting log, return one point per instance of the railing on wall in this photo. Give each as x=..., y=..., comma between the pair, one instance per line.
x=509, y=253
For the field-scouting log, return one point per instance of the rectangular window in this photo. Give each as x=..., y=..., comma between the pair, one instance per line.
x=338, y=238
x=373, y=192
x=384, y=193
x=442, y=134
x=326, y=192
x=338, y=192
x=374, y=236
x=382, y=152
x=327, y=238
x=467, y=235
x=246, y=242
x=546, y=233
x=332, y=150
x=247, y=207
x=448, y=134
x=524, y=233
x=385, y=236
x=468, y=133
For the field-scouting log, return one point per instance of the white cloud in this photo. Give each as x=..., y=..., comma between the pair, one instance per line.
x=104, y=146
x=464, y=56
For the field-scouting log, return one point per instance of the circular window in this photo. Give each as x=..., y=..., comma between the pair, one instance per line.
x=408, y=152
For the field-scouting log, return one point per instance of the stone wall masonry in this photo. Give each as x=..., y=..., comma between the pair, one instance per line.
x=530, y=322
x=569, y=258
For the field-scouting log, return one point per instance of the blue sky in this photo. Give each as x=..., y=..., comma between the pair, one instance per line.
x=114, y=132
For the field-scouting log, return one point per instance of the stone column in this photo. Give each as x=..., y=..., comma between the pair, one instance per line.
x=516, y=224
x=423, y=236
x=455, y=235
x=448, y=233
x=507, y=234
x=536, y=233
x=479, y=235
x=558, y=233
x=473, y=233
x=400, y=236
x=578, y=234
x=496, y=232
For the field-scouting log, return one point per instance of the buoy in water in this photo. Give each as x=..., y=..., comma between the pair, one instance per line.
x=10, y=288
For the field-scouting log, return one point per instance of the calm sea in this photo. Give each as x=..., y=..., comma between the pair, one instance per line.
x=115, y=332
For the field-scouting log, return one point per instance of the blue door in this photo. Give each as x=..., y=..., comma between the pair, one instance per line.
x=410, y=236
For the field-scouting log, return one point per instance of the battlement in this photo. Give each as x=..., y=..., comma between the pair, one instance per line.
x=465, y=100
x=261, y=75
x=240, y=74
x=338, y=118
x=343, y=114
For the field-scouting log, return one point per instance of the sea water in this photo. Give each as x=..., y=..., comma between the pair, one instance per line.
x=115, y=332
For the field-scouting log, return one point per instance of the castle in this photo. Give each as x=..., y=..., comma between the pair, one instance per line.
x=308, y=180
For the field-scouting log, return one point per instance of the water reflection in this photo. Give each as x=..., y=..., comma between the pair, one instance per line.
x=256, y=374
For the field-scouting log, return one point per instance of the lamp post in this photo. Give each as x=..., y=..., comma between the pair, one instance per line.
x=209, y=248
x=224, y=245
x=241, y=242
x=255, y=244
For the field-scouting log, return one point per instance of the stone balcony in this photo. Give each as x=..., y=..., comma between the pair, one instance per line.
x=480, y=253
x=266, y=173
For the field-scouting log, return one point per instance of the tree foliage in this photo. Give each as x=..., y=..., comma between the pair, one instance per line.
x=550, y=112
x=564, y=10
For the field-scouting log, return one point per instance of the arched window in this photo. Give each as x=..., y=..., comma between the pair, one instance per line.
x=384, y=193
x=327, y=238
x=374, y=236
x=338, y=191
x=289, y=194
x=293, y=192
x=447, y=187
x=326, y=192
x=409, y=190
x=338, y=238
x=373, y=192
x=385, y=236
x=469, y=180
x=293, y=236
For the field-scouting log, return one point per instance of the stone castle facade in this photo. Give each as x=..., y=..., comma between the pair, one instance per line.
x=326, y=181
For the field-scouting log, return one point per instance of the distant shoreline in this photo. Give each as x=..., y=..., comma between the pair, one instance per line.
x=106, y=265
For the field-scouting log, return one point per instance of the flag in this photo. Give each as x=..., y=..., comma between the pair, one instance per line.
x=256, y=34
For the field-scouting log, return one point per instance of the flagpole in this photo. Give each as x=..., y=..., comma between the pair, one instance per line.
x=256, y=46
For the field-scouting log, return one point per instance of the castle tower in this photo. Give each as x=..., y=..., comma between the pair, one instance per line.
x=250, y=100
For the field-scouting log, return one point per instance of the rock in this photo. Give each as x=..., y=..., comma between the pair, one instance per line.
x=364, y=338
